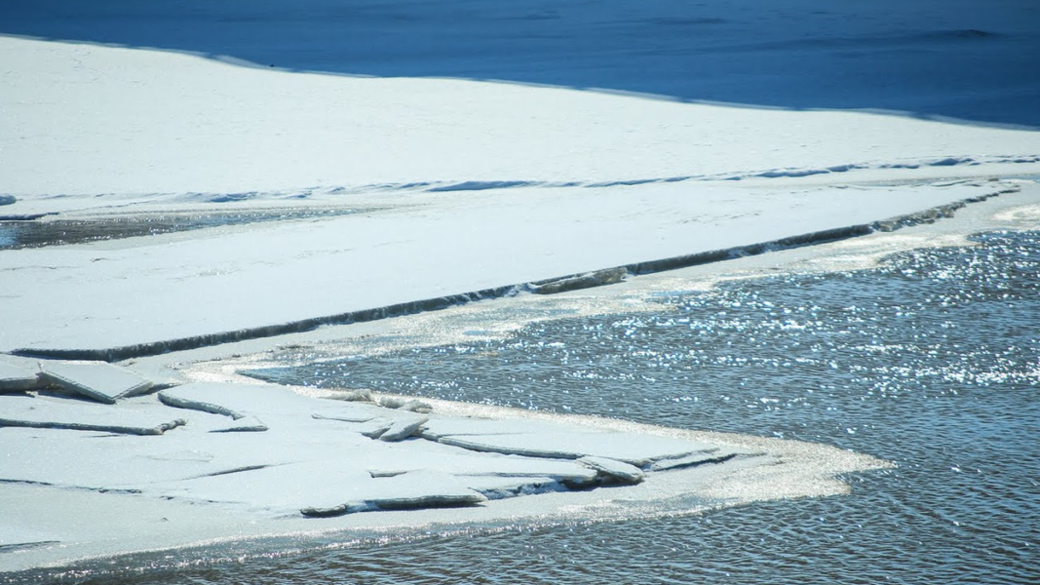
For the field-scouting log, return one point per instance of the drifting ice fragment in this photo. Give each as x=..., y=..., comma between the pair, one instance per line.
x=97, y=380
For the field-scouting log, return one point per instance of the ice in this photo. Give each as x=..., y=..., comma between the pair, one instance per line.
x=589, y=279
x=638, y=450
x=422, y=489
x=712, y=456
x=557, y=177
x=69, y=414
x=403, y=428
x=497, y=486
x=269, y=402
x=451, y=427
x=18, y=375
x=18, y=537
x=100, y=381
x=614, y=469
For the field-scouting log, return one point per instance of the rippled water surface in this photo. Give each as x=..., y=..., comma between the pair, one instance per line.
x=932, y=361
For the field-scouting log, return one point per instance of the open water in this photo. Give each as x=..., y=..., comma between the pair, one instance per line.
x=931, y=361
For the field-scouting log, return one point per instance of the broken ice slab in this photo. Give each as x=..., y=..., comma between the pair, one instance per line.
x=403, y=428
x=635, y=449
x=17, y=375
x=618, y=471
x=245, y=424
x=394, y=427
x=426, y=455
x=69, y=414
x=266, y=401
x=100, y=381
x=17, y=537
x=326, y=487
x=580, y=281
x=496, y=487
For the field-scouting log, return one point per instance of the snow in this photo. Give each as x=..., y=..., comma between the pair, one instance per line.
x=97, y=380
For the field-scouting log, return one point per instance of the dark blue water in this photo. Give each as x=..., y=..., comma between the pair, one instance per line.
x=931, y=361
x=35, y=233
x=968, y=59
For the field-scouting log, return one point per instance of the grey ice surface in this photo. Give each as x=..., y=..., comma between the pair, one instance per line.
x=97, y=380
x=7, y=199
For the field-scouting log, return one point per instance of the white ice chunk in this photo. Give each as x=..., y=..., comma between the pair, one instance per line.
x=97, y=380
x=16, y=376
